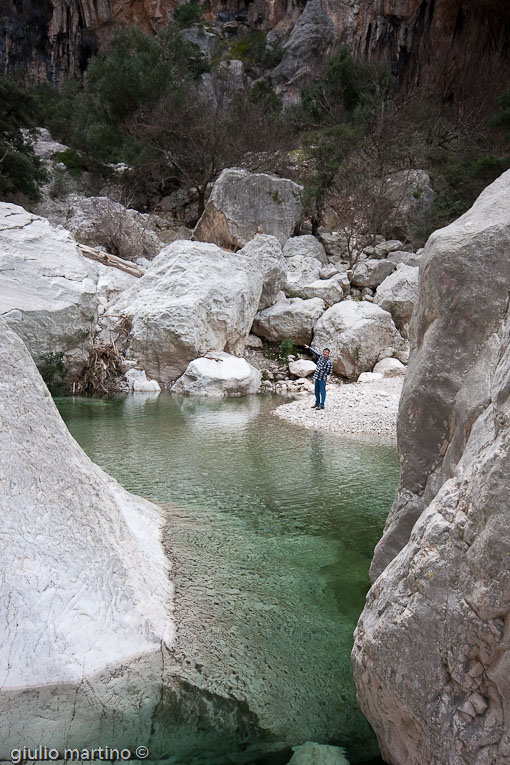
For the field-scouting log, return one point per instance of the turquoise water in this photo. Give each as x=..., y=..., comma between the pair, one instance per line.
x=279, y=523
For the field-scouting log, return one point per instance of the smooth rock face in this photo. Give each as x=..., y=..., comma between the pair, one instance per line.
x=398, y=294
x=140, y=383
x=243, y=204
x=193, y=299
x=293, y=318
x=218, y=374
x=355, y=332
x=443, y=562
x=371, y=272
x=407, y=258
x=390, y=368
x=84, y=580
x=47, y=288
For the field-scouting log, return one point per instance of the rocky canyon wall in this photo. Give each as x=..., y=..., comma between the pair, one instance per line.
x=432, y=649
x=446, y=44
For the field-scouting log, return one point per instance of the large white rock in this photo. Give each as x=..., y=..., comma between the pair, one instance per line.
x=371, y=272
x=302, y=368
x=243, y=204
x=330, y=290
x=86, y=615
x=193, y=299
x=291, y=318
x=267, y=253
x=355, y=332
x=140, y=383
x=390, y=368
x=218, y=374
x=398, y=294
x=301, y=271
x=306, y=245
x=47, y=288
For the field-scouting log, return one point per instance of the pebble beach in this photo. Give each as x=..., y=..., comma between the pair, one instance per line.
x=363, y=411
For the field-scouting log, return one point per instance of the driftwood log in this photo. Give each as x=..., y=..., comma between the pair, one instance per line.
x=111, y=260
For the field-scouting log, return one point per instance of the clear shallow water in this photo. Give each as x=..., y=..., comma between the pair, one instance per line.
x=279, y=522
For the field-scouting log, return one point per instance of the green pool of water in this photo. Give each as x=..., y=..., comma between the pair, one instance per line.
x=273, y=534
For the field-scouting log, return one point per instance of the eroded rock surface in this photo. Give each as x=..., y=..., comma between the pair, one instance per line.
x=293, y=318
x=431, y=654
x=398, y=294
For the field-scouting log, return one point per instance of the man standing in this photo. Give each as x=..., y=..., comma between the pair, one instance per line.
x=322, y=372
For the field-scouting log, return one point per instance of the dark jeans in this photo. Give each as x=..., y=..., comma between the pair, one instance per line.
x=320, y=392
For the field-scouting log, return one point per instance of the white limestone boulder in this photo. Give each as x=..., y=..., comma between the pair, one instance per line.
x=47, y=288
x=290, y=318
x=302, y=368
x=243, y=204
x=266, y=252
x=308, y=246
x=368, y=377
x=398, y=294
x=371, y=272
x=87, y=601
x=301, y=271
x=329, y=290
x=218, y=374
x=355, y=332
x=390, y=368
x=193, y=299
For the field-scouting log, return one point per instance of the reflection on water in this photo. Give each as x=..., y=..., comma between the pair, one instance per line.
x=279, y=522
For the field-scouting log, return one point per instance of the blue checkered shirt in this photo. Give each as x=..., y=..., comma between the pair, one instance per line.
x=324, y=366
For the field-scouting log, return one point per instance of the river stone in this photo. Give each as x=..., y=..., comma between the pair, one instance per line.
x=355, y=332
x=371, y=272
x=76, y=659
x=390, y=368
x=318, y=754
x=306, y=245
x=431, y=658
x=218, y=374
x=243, y=204
x=290, y=318
x=193, y=299
x=47, y=289
x=302, y=368
x=398, y=294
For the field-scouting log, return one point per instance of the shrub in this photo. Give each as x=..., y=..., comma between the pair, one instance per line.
x=54, y=372
x=187, y=15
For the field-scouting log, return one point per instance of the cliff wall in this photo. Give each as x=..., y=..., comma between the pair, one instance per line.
x=432, y=649
x=446, y=44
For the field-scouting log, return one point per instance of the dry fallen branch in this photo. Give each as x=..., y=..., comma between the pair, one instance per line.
x=111, y=260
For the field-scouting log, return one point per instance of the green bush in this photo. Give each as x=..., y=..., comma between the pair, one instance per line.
x=287, y=348
x=54, y=372
x=73, y=160
x=187, y=15
x=20, y=170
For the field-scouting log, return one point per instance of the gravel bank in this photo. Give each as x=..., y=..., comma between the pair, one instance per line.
x=366, y=411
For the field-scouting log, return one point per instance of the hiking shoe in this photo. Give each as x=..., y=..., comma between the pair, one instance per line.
x=320, y=407
x=315, y=406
